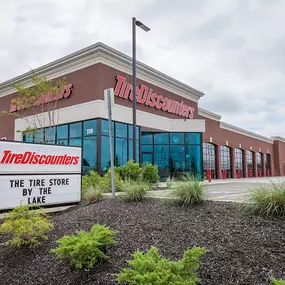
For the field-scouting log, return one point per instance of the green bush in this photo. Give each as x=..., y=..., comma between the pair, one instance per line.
x=92, y=194
x=92, y=179
x=85, y=248
x=188, y=193
x=267, y=200
x=130, y=170
x=150, y=173
x=106, y=183
x=26, y=226
x=134, y=191
x=277, y=282
x=149, y=268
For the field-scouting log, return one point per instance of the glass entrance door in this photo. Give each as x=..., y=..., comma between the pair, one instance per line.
x=147, y=157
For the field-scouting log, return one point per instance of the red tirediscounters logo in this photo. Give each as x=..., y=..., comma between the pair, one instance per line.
x=28, y=157
x=147, y=97
x=45, y=98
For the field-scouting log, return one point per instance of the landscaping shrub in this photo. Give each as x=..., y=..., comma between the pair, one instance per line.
x=130, y=170
x=150, y=173
x=188, y=193
x=85, y=248
x=150, y=268
x=92, y=194
x=92, y=179
x=26, y=226
x=134, y=190
x=277, y=282
x=106, y=183
x=267, y=200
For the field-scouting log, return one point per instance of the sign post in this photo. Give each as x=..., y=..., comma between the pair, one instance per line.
x=109, y=98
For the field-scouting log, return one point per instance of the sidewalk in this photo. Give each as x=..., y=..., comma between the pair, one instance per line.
x=262, y=180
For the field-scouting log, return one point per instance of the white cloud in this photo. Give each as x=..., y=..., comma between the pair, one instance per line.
x=233, y=51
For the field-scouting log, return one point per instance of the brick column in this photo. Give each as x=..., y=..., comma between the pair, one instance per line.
x=263, y=164
x=254, y=161
x=233, y=161
x=218, y=161
x=245, y=170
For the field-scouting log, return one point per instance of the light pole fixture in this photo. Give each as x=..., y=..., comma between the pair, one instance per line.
x=146, y=29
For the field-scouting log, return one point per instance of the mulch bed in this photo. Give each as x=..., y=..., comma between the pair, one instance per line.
x=241, y=249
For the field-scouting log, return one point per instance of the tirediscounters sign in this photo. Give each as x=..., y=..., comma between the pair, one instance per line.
x=36, y=173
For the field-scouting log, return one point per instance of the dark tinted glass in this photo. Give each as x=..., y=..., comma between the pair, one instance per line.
x=121, y=157
x=75, y=130
x=177, y=138
x=75, y=142
x=89, y=153
x=90, y=128
x=161, y=138
x=121, y=130
x=192, y=138
x=105, y=127
x=147, y=138
x=62, y=132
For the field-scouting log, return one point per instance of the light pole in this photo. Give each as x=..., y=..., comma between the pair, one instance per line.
x=146, y=29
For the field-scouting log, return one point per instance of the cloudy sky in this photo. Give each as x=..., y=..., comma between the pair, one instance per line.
x=233, y=51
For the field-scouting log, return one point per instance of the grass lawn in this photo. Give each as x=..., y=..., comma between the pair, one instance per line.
x=241, y=249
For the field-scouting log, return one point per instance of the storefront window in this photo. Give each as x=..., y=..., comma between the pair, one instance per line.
x=28, y=137
x=193, y=160
x=239, y=160
x=62, y=142
x=177, y=159
x=121, y=152
x=193, y=138
x=171, y=154
x=105, y=154
x=90, y=128
x=137, y=150
x=161, y=138
x=147, y=138
x=209, y=158
x=121, y=130
x=89, y=154
x=130, y=136
x=267, y=162
x=75, y=130
x=161, y=159
x=62, y=132
x=50, y=134
x=75, y=142
x=226, y=163
x=105, y=127
x=147, y=148
x=177, y=138
x=39, y=136
x=259, y=162
x=249, y=161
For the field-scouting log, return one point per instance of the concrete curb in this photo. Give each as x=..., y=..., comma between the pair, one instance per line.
x=50, y=210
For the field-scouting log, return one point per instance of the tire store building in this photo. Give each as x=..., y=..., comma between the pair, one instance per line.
x=173, y=132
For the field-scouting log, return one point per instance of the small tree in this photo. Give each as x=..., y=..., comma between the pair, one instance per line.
x=37, y=104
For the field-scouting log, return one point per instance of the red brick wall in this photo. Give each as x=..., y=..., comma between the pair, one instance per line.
x=279, y=157
x=89, y=84
x=220, y=136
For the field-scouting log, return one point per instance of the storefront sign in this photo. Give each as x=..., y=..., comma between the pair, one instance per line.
x=42, y=174
x=146, y=96
x=45, y=98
